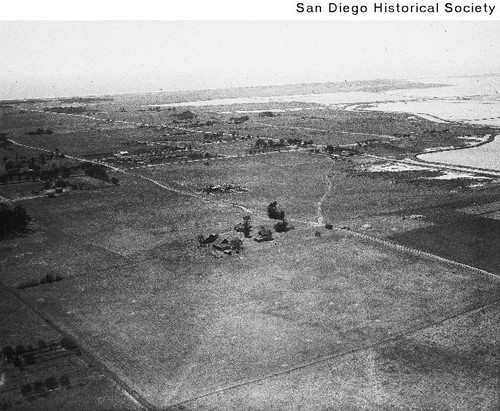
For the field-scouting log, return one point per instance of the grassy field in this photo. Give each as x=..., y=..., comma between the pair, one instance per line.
x=296, y=180
x=177, y=333
x=439, y=368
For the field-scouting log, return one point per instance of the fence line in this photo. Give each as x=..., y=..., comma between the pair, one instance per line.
x=416, y=251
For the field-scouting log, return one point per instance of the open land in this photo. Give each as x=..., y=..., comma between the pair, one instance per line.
x=385, y=294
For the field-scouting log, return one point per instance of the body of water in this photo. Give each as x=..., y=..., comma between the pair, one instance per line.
x=486, y=156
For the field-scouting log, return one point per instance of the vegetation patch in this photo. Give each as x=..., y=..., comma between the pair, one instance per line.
x=13, y=220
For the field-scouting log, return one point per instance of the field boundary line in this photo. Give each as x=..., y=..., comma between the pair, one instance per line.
x=416, y=251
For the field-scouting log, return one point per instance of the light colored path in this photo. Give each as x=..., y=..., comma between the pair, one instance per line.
x=319, y=214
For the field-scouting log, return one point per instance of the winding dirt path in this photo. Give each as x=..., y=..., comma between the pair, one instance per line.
x=319, y=212
x=151, y=180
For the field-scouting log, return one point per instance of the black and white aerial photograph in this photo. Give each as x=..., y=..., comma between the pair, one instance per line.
x=249, y=215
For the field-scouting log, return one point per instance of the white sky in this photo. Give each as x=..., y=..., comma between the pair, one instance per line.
x=45, y=59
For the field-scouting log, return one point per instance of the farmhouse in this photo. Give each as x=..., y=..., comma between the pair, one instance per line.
x=228, y=245
x=264, y=234
x=208, y=239
x=222, y=244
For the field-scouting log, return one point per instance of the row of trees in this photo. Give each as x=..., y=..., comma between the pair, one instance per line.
x=21, y=355
x=270, y=144
x=43, y=387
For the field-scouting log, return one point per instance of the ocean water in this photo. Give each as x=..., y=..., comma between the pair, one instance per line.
x=486, y=156
x=474, y=100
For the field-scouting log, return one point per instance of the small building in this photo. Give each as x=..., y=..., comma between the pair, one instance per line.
x=264, y=234
x=228, y=245
x=222, y=244
x=208, y=239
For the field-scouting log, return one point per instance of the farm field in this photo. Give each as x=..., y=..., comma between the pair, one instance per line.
x=342, y=311
x=81, y=383
x=174, y=335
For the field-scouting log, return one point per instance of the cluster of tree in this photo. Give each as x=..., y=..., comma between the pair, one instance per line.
x=32, y=163
x=270, y=144
x=95, y=171
x=37, y=174
x=13, y=219
x=98, y=171
x=299, y=142
x=22, y=355
x=39, y=132
x=157, y=155
x=42, y=388
x=275, y=212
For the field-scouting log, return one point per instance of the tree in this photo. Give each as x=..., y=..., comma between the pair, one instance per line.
x=274, y=212
x=21, y=218
x=281, y=226
x=13, y=219
x=95, y=171
x=247, y=227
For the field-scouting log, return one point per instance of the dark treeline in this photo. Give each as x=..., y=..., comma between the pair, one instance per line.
x=13, y=219
x=95, y=170
x=36, y=174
